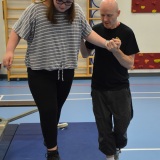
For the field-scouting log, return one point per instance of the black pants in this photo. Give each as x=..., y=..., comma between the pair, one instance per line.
x=49, y=94
x=113, y=112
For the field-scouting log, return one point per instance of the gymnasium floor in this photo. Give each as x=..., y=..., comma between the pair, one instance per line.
x=143, y=132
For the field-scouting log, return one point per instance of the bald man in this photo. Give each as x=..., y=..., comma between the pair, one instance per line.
x=111, y=96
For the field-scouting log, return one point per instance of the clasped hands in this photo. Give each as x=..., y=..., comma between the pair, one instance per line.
x=113, y=45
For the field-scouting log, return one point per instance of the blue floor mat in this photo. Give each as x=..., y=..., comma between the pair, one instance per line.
x=78, y=141
x=6, y=139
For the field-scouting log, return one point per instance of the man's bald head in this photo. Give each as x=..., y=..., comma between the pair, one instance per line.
x=111, y=4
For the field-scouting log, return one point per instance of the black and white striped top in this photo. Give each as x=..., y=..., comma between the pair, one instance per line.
x=51, y=46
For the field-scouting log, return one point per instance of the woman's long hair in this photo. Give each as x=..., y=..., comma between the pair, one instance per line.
x=51, y=12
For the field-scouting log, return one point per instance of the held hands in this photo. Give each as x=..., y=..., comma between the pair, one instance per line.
x=7, y=60
x=113, y=45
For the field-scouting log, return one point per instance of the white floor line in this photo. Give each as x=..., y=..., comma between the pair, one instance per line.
x=69, y=99
x=145, y=97
x=146, y=92
x=16, y=94
x=80, y=99
x=30, y=94
x=17, y=100
x=141, y=149
x=80, y=93
x=1, y=96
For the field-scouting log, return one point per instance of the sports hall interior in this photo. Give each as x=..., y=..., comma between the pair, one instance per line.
x=20, y=133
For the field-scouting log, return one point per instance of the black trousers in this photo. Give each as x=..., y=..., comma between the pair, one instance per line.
x=50, y=93
x=113, y=112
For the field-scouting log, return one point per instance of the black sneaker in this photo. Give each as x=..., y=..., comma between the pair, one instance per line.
x=53, y=155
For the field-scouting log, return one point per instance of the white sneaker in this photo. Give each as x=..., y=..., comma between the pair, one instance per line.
x=110, y=157
x=62, y=125
x=116, y=156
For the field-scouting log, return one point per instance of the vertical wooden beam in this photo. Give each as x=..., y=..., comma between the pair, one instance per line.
x=5, y=11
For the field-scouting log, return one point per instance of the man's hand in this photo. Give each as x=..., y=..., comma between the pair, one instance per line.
x=117, y=41
x=113, y=45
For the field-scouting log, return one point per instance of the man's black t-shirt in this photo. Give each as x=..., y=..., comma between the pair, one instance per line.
x=108, y=73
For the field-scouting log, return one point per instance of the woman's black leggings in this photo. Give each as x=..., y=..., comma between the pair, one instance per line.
x=50, y=90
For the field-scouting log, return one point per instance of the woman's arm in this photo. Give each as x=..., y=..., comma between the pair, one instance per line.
x=11, y=45
x=97, y=40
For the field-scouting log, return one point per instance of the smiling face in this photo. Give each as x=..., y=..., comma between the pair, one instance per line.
x=109, y=12
x=62, y=5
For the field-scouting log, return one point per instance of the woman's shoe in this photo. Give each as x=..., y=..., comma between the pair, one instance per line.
x=53, y=155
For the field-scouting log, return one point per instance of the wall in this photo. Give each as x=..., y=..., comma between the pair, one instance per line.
x=145, y=26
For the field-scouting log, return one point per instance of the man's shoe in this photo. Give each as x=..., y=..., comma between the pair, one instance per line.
x=53, y=155
x=116, y=156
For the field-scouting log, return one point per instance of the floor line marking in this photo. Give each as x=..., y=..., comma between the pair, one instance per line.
x=70, y=99
x=141, y=149
x=81, y=93
x=16, y=94
x=145, y=97
x=1, y=96
x=146, y=92
x=75, y=99
x=17, y=100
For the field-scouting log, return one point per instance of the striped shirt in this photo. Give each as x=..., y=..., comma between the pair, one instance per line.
x=51, y=46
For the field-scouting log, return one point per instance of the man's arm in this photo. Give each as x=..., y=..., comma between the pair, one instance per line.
x=126, y=61
x=84, y=50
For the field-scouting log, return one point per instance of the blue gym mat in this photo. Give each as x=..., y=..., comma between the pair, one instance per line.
x=78, y=141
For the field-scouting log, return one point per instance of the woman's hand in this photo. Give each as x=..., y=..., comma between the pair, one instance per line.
x=8, y=59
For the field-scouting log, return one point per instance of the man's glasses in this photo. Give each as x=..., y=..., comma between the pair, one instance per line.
x=67, y=2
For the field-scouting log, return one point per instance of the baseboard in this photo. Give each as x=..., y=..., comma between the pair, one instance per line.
x=3, y=76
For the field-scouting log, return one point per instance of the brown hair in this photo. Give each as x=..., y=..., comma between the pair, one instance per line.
x=51, y=12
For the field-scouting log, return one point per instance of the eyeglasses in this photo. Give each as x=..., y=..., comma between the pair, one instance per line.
x=67, y=3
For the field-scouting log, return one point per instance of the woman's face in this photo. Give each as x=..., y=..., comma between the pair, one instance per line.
x=62, y=5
